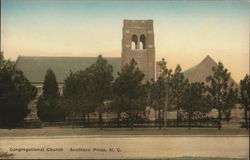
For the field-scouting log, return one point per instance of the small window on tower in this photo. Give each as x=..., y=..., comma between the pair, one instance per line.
x=142, y=42
x=134, y=42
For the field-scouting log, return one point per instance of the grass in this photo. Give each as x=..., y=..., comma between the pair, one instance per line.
x=192, y=158
x=184, y=158
x=56, y=131
x=196, y=158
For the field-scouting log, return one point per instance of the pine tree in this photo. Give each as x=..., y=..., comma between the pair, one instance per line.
x=48, y=108
x=129, y=93
x=100, y=85
x=220, y=90
x=245, y=98
x=15, y=94
x=178, y=84
x=194, y=99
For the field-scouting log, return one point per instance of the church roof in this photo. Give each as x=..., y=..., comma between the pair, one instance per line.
x=35, y=68
x=200, y=72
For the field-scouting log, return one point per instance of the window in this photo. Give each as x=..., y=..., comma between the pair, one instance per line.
x=134, y=42
x=142, y=42
x=39, y=90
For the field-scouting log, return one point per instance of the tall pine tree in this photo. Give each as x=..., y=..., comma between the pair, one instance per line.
x=129, y=92
x=15, y=94
x=221, y=91
x=47, y=105
x=245, y=98
x=100, y=76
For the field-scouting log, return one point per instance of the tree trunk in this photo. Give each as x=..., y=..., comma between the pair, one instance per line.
x=189, y=119
x=166, y=119
x=177, y=123
x=246, y=119
x=177, y=117
x=131, y=122
x=219, y=119
x=219, y=110
x=100, y=120
x=163, y=118
x=88, y=119
x=118, y=119
x=159, y=118
x=155, y=118
x=84, y=117
x=166, y=109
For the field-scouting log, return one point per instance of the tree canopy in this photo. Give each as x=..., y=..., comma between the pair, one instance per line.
x=15, y=94
x=129, y=92
x=194, y=99
x=245, y=97
x=48, y=108
x=178, y=84
x=221, y=91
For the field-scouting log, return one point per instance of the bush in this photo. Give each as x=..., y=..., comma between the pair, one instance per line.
x=32, y=124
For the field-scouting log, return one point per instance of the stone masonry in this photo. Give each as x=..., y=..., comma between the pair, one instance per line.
x=138, y=43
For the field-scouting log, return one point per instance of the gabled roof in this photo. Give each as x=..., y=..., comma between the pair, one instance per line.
x=35, y=68
x=200, y=72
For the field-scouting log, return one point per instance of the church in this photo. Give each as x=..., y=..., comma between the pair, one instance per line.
x=137, y=43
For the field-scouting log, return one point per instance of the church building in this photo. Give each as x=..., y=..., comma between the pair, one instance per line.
x=137, y=43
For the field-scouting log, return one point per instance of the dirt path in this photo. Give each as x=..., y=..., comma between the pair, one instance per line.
x=126, y=146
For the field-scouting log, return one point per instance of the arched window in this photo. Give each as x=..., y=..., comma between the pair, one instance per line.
x=134, y=42
x=142, y=42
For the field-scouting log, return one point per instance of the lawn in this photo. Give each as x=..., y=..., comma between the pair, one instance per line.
x=7, y=156
x=193, y=158
x=56, y=131
x=190, y=158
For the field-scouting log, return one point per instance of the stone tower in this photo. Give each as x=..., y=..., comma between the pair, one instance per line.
x=138, y=43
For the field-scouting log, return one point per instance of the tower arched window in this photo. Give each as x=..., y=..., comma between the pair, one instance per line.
x=142, y=43
x=134, y=42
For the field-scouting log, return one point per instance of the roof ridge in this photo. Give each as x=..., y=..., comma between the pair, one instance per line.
x=210, y=59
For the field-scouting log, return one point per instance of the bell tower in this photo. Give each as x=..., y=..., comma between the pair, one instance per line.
x=138, y=43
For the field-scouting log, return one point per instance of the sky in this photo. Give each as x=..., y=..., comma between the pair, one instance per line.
x=185, y=31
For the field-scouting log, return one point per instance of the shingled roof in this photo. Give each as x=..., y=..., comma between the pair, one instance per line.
x=200, y=72
x=35, y=68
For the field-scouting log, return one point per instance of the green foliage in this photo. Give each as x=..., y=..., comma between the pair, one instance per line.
x=50, y=87
x=178, y=84
x=15, y=94
x=129, y=92
x=48, y=105
x=100, y=85
x=194, y=99
x=222, y=93
x=50, y=110
x=100, y=82
x=245, y=92
x=32, y=124
x=245, y=97
x=1, y=57
x=230, y=98
x=76, y=94
x=159, y=94
x=87, y=91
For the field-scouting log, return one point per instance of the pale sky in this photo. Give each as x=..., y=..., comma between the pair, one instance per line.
x=185, y=31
